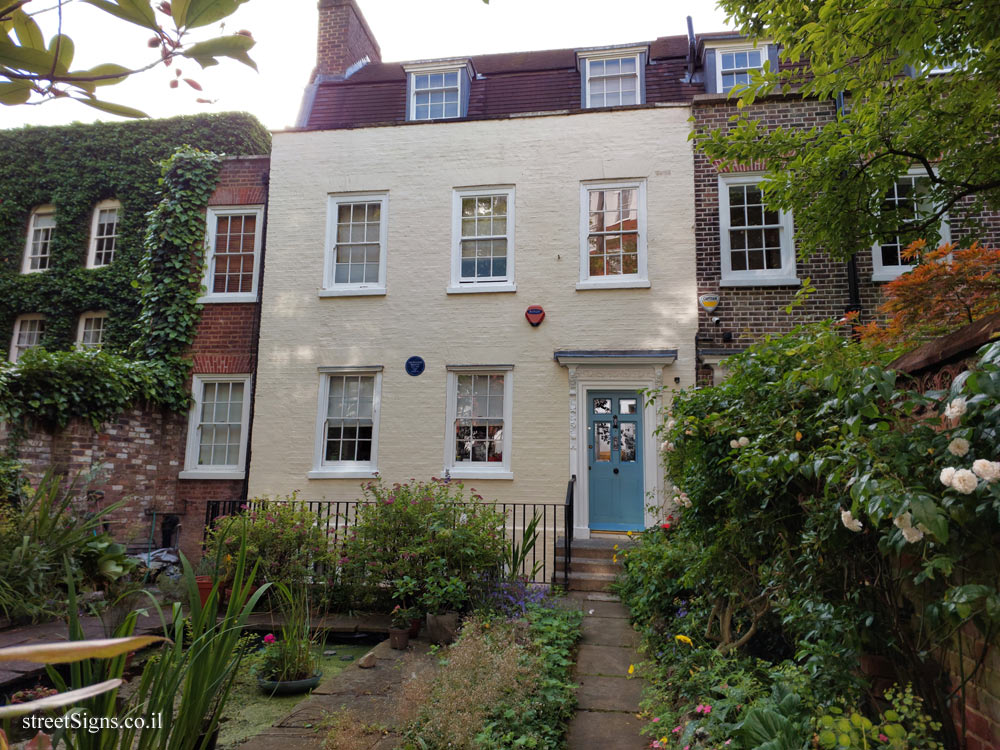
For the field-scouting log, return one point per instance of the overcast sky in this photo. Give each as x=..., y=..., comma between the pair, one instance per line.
x=286, y=47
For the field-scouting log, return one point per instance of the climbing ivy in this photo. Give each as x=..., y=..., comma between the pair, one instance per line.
x=151, y=287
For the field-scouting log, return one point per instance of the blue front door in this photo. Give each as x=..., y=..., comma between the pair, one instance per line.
x=614, y=460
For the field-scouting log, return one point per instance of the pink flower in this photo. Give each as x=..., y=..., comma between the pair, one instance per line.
x=677, y=729
x=269, y=638
x=882, y=738
x=656, y=719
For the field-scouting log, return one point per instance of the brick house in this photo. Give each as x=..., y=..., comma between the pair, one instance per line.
x=166, y=465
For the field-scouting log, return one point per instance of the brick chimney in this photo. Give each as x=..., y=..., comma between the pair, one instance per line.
x=344, y=38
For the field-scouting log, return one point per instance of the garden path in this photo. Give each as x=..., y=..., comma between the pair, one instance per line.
x=608, y=699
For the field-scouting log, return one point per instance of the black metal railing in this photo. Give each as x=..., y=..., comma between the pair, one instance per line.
x=336, y=516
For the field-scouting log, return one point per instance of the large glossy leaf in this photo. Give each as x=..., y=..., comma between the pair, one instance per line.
x=62, y=47
x=15, y=92
x=234, y=46
x=138, y=12
x=112, y=108
x=27, y=59
x=28, y=33
x=58, y=700
x=62, y=653
x=204, y=12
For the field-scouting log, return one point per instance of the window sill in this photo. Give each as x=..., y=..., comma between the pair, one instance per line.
x=482, y=288
x=342, y=474
x=214, y=299
x=761, y=281
x=470, y=473
x=617, y=284
x=889, y=275
x=353, y=292
x=202, y=474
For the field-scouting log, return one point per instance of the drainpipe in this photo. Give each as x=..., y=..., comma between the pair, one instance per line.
x=853, y=293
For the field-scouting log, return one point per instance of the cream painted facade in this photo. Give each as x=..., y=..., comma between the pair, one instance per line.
x=546, y=159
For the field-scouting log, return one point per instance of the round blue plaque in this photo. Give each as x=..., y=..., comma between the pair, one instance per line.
x=414, y=366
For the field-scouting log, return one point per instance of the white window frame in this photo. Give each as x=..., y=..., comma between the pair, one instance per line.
x=329, y=287
x=479, y=469
x=192, y=470
x=635, y=53
x=460, y=68
x=12, y=354
x=463, y=286
x=639, y=280
x=81, y=325
x=46, y=210
x=105, y=205
x=737, y=47
x=784, y=276
x=212, y=220
x=882, y=272
x=323, y=469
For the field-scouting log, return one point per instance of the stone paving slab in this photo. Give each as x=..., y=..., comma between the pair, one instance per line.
x=608, y=693
x=605, y=660
x=604, y=609
x=608, y=631
x=605, y=730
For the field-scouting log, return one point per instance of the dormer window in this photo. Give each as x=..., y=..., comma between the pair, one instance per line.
x=437, y=93
x=737, y=66
x=612, y=77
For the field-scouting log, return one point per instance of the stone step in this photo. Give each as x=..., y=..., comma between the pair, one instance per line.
x=600, y=548
x=589, y=565
x=590, y=581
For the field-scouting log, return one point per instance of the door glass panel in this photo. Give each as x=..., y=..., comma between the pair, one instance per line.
x=602, y=406
x=626, y=406
x=627, y=433
x=602, y=441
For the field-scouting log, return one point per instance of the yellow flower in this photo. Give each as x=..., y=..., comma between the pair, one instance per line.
x=615, y=547
x=614, y=558
x=628, y=533
x=683, y=639
x=798, y=435
x=631, y=668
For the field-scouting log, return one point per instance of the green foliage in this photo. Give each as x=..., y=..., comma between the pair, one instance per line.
x=291, y=656
x=833, y=176
x=904, y=727
x=33, y=70
x=41, y=533
x=826, y=506
x=82, y=165
x=281, y=536
x=429, y=532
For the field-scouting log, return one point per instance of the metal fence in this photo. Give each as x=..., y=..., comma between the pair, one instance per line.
x=554, y=528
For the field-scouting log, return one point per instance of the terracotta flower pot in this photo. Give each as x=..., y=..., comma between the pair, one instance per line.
x=399, y=638
x=205, y=584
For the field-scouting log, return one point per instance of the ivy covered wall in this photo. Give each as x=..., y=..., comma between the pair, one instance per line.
x=73, y=168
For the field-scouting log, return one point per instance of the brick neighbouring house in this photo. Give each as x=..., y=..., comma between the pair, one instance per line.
x=147, y=454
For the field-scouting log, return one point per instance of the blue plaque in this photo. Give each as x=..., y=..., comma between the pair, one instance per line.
x=414, y=366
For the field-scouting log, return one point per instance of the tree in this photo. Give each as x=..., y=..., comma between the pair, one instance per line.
x=919, y=84
x=33, y=70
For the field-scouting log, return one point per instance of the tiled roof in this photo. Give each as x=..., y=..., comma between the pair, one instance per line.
x=504, y=84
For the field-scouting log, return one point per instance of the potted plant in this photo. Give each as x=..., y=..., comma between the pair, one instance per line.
x=399, y=631
x=406, y=591
x=288, y=665
x=443, y=596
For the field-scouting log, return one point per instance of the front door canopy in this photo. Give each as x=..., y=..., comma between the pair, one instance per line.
x=661, y=357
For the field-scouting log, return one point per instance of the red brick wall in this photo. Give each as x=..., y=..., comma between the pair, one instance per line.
x=139, y=455
x=344, y=38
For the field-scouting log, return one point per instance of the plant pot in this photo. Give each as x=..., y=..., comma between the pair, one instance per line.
x=289, y=687
x=442, y=629
x=415, y=624
x=399, y=638
x=205, y=584
x=207, y=742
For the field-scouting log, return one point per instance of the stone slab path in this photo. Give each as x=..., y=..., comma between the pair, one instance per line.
x=607, y=699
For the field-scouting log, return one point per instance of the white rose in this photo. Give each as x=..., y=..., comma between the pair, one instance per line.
x=670, y=423
x=958, y=447
x=947, y=474
x=904, y=521
x=850, y=521
x=988, y=470
x=956, y=408
x=734, y=444
x=667, y=446
x=912, y=535
x=964, y=481
x=744, y=442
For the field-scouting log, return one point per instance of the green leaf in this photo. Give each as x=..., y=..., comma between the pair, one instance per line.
x=234, y=46
x=204, y=12
x=138, y=12
x=27, y=59
x=62, y=47
x=115, y=109
x=15, y=92
x=71, y=651
x=27, y=31
x=105, y=69
x=178, y=11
